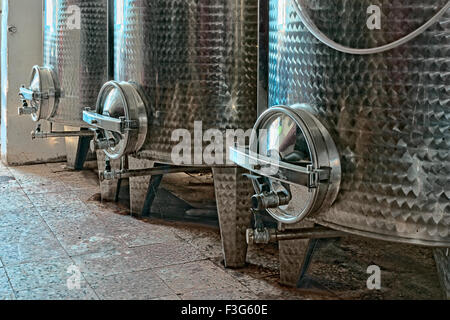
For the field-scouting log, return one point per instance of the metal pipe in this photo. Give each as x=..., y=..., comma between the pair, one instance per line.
x=153, y=187
x=302, y=11
x=149, y=172
x=266, y=236
x=62, y=134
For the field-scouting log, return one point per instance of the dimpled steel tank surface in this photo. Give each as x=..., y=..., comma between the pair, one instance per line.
x=193, y=60
x=388, y=113
x=77, y=53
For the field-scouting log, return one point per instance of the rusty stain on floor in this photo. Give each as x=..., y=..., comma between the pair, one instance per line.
x=53, y=225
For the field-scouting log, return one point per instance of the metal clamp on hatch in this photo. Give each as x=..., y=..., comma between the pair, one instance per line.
x=99, y=121
x=120, y=119
x=41, y=98
x=274, y=169
x=295, y=165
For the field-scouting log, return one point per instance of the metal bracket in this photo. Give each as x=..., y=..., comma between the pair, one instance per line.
x=26, y=110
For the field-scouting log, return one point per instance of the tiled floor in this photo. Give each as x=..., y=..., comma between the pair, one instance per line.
x=50, y=229
x=53, y=232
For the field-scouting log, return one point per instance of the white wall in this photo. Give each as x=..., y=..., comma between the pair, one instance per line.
x=20, y=51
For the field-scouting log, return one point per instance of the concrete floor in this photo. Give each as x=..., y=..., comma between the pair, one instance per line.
x=51, y=222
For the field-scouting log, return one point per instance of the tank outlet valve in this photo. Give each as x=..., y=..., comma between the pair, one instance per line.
x=26, y=110
x=259, y=236
x=109, y=175
x=102, y=144
x=270, y=200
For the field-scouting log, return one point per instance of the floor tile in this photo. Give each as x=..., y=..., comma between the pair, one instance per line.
x=42, y=187
x=196, y=276
x=141, y=234
x=18, y=216
x=114, y=217
x=232, y=293
x=142, y=285
x=49, y=273
x=58, y=293
x=56, y=200
x=5, y=287
x=40, y=170
x=206, y=240
x=79, y=180
x=270, y=289
x=167, y=298
x=210, y=247
x=8, y=184
x=7, y=296
x=166, y=254
x=67, y=212
x=57, y=167
x=14, y=201
x=103, y=264
x=111, y=213
x=83, y=235
x=89, y=196
x=28, y=243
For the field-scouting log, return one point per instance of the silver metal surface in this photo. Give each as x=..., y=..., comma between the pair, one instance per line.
x=193, y=60
x=387, y=113
x=75, y=50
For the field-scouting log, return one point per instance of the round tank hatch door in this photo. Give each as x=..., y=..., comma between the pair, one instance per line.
x=295, y=164
x=40, y=99
x=120, y=119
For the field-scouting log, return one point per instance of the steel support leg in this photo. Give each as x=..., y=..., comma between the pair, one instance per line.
x=153, y=186
x=295, y=257
x=77, y=149
x=139, y=185
x=442, y=257
x=233, y=194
